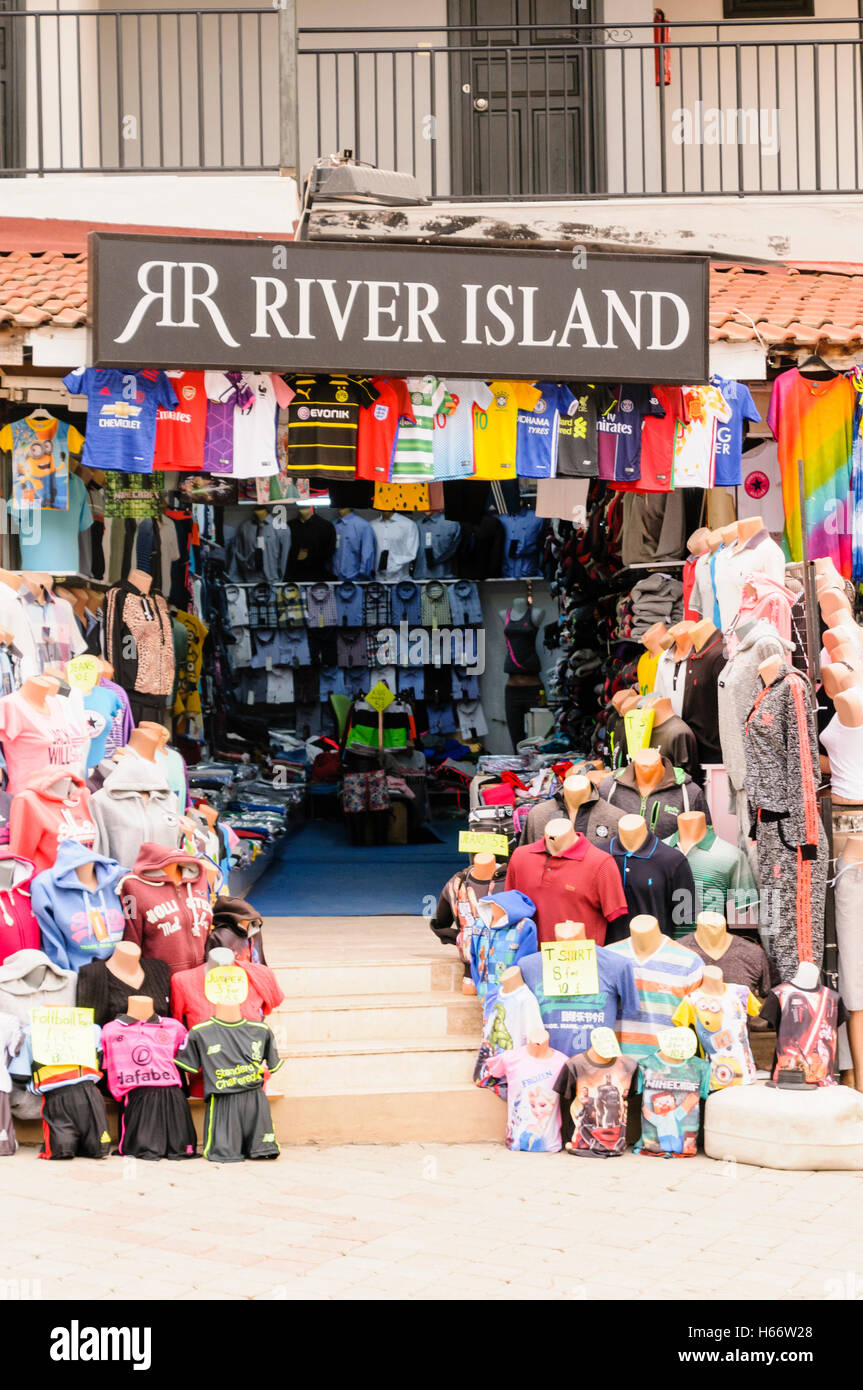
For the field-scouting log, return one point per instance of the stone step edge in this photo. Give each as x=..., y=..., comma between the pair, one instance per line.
x=370, y=1047
x=326, y=1003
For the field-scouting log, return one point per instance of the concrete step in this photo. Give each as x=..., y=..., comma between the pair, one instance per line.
x=364, y=1017
x=338, y=978
x=332, y=1068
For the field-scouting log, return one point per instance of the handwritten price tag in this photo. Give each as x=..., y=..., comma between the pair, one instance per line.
x=226, y=984
x=380, y=697
x=63, y=1036
x=475, y=842
x=569, y=967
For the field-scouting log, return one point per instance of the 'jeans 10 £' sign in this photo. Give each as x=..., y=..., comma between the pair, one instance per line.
x=381, y=309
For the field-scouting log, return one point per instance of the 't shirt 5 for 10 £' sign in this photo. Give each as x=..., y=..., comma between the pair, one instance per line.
x=569, y=967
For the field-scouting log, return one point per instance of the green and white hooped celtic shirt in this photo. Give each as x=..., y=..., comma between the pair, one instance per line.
x=413, y=459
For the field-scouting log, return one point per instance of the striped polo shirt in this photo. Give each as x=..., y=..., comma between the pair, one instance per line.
x=721, y=872
x=662, y=982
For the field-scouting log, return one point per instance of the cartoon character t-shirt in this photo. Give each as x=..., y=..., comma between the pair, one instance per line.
x=808, y=1020
x=597, y=1094
x=721, y=1023
x=532, y=1103
x=41, y=449
x=670, y=1114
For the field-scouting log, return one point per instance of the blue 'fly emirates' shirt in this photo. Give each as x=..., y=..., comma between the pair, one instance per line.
x=536, y=431
x=728, y=438
x=570, y=1021
x=620, y=413
x=121, y=416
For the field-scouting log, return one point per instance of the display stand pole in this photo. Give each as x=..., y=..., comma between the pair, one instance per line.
x=830, y=964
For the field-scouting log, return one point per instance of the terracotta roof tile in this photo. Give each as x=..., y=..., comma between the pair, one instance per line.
x=38, y=289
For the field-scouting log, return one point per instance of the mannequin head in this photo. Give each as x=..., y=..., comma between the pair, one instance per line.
x=576, y=790
x=714, y=540
x=645, y=934
x=711, y=933
x=559, y=836
x=632, y=832
x=697, y=543
x=713, y=981
x=837, y=677
x=682, y=634
x=483, y=867
x=649, y=768
x=655, y=638
x=537, y=1043
x=569, y=931
x=622, y=700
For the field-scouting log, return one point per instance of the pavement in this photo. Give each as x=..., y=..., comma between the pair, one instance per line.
x=427, y=1222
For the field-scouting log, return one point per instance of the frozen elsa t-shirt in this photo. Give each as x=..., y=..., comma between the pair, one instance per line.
x=532, y=1104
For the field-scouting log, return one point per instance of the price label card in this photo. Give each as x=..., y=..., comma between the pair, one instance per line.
x=62, y=1036
x=569, y=967
x=380, y=696
x=82, y=673
x=226, y=984
x=476, y=842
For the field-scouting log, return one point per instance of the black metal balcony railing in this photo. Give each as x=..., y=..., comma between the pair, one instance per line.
x=533, y=111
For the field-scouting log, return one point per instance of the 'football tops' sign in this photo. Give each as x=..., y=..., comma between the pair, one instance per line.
x=383, y=309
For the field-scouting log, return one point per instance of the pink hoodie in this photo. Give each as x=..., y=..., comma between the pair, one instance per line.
x=763, y=598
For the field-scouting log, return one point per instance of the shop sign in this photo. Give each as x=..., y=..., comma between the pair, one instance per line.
x=226, y=984
x=569, y=967
x=381, y=309
x=479, y=842
x=62, y=1036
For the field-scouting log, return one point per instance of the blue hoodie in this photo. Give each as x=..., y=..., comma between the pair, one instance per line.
x=494, y=949
x=78, y=924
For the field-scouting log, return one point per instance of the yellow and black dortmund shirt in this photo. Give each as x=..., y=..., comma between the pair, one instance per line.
x=323, y=419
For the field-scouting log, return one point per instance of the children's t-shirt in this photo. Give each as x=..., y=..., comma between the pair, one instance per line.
x=232, y=1056
x=728, y=441
x=495, y=428
x=808, y=1021
x=40, y=451
x=140, y=1052
x=452, y=439
x=596, y=1095
x=180, y=432
x=620, y=413
x=722, y=1028
x=537, y=430
x=509, y=1018
x=413, y=458
x=532, y=1103
x=670, y=1111
x=121, y=416
x=378, y=426
x=101, y=708
x=662, y=982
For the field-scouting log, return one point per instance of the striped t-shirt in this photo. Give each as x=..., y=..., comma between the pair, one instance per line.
x=662, y=982
x=413, y=459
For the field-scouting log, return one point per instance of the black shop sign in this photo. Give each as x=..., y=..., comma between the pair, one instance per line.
x=378, y=309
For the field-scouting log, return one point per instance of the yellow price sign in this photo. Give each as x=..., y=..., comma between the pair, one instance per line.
x=226, y=984
x=569, y=967
x=82, y=673
x=62, y=1036
x=380, y=696
x=479, y=842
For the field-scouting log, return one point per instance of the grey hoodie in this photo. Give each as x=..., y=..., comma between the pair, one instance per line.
x=739, y=683
x=134, y=805
x=48, y=985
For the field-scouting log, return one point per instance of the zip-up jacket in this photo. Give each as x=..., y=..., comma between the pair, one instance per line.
x=496, y=947
x=660, y=808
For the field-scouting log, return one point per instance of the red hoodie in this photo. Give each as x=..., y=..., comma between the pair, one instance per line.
x=19, y=930
x=169, y=921
x=41, y=815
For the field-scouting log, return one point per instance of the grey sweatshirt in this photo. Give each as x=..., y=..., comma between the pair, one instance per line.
x=134, y=805
x=739, y=683
x=29, y=980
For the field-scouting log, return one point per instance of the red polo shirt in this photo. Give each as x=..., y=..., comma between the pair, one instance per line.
x=581, y=885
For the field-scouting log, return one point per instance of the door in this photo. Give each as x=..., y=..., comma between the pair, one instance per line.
x=524, y=108
x=11, y=100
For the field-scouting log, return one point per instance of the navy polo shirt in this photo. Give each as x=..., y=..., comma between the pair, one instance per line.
x=657, y=882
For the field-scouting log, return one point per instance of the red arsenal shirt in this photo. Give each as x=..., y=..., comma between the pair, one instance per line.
x=581, y=885
x=180, y=432
x=379, y=424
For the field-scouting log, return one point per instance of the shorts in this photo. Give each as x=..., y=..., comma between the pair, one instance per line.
x=239, y=1126
x=365, y=791
x=8, y=1142
x=155, y=1122
x=74, y=1123
x=848, y=899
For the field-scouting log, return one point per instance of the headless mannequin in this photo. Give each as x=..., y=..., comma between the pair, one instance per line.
x=663, y=710
x=576, y=791
x=649, y=770
x=747, y=528
x=713, y=981
x=682, y=635
x=698, y=541
x=712, y=934
x=646, y=936
x=144, y=743
x=701, y=633
x=833, y=603
x=691, y=827
x=833, y=638
x=125, y=963
x=569, y=931
x=849, y=707
x=483, y=866
x=140, y=1007
x=36, y=690
x=40, y=585
x=632, y=832
x=537, y=1044
x=143, y=582
x=769, y=669
x=728, y=534
x=559, y=836
x=655, y=639
x=518, y=610
x=806, y=976
x=86, y=876
x=511, y=980
x=622, y=700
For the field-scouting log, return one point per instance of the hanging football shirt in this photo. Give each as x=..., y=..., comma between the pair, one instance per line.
x=728, y=441
x=721, y=1023
x=121, y=416
x=532, y=1103
x=413, y=459
x=495, y=428
x=695, y=442
x=576, y=437
x=657, y=442
x=595, y=1094
x=225, y=392
x=323, y=424
x=180, y=432
x=536, y=438
x=378, y=426
x=452, y=438
x=620, y=413
x=255, y=426
x=670, y=1110
x=814, y=421
x=40, y=451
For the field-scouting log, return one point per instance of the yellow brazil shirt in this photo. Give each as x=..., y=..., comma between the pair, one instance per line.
x=494, y=429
